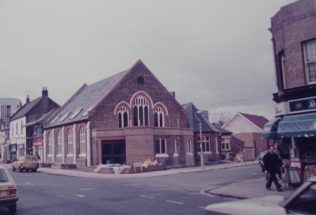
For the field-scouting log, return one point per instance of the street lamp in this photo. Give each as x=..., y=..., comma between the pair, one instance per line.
x=201, y=147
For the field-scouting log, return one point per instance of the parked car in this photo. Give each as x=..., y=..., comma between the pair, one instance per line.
x=8, y=196
x=27, y=163
x=302, y=201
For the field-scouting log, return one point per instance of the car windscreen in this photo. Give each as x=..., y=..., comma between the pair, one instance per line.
x=3, y=176
x=305, y=202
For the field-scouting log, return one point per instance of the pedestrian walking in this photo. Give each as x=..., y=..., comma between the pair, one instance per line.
x=272, y=163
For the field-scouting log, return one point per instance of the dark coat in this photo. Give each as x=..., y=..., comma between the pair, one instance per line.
x=272, y=162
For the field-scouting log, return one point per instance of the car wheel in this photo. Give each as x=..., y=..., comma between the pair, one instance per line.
x=34, y=170
x=12, y=208
x=13, y=169
x=20, y=169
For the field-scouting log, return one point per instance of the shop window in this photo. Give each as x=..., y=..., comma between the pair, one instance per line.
x=310, y=60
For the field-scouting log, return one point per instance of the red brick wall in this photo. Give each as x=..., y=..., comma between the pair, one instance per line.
x=292, y=25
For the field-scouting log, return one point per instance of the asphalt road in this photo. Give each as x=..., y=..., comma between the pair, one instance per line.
x=47, y=194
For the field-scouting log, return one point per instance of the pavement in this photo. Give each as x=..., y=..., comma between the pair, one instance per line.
x=246, y=189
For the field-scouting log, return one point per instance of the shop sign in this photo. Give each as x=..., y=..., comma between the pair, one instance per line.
x=38, y=143
x=302, y=105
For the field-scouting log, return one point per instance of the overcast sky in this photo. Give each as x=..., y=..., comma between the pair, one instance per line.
x=214, y=53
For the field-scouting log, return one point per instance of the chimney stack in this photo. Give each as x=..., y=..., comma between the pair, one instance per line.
x=27, y=99
x=44, y=92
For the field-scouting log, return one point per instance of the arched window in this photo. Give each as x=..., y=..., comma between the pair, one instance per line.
x=82, y=140
x=59, y=143
x=159, y=117
x=49, y=144
x=69, y=142
x=123, y=116
x=140, y=111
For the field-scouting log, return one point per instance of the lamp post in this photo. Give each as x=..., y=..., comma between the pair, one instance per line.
x=201, y=146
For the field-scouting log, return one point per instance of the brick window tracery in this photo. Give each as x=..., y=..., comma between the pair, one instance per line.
x=140, y=111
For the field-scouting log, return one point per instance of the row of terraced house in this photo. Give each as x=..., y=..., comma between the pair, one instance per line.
x=127, y=118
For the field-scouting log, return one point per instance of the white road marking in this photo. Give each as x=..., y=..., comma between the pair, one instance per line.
x=147, y=197
x=28, y=183
x=201, y=207
x=80, y=195
x=175, y=202
x=85, y=189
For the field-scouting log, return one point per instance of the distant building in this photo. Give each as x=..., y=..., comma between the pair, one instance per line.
x=125, y=119
x=21, y=134
x=248, y=128
x=210, y=135
x=8, y=106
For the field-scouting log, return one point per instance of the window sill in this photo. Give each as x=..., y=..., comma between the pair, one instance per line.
x=70, y=155
x=176, y=155
x=59, y=155
x=190, y=153
x=161, y=155
x=82, y=155
x=49, y=155
x=205, y=153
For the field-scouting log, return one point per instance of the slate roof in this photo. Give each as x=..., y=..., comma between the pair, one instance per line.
x=25, y=108
x=44, y=118
x=84, y=100
x=259, y=121
x=190, y=111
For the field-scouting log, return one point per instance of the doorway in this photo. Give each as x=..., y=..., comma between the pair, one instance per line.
x=113, y=152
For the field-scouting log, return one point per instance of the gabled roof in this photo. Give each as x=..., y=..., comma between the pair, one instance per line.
x=191, y=112
x=27, y=107
x=259, y=121
x=256, y=120
x=86, y=99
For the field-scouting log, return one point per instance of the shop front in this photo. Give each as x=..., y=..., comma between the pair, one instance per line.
x=296, y=135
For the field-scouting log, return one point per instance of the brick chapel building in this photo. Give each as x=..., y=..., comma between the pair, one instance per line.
x=127, y=118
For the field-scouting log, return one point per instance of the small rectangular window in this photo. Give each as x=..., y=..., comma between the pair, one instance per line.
x=310, y=60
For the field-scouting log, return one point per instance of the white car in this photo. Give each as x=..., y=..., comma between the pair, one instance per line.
x=302, y=201
x=8, y=196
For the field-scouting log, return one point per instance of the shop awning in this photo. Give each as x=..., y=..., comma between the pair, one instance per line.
x=270, y=129
x=303, y=125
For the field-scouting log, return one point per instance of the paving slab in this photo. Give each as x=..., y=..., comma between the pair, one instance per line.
x=252, y=188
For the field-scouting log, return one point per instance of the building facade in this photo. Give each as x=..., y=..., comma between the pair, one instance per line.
x=248, y=128
x=293, y=31
x=127, y=118
x=8, y=106
x=204, y=134
x=21, y=134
